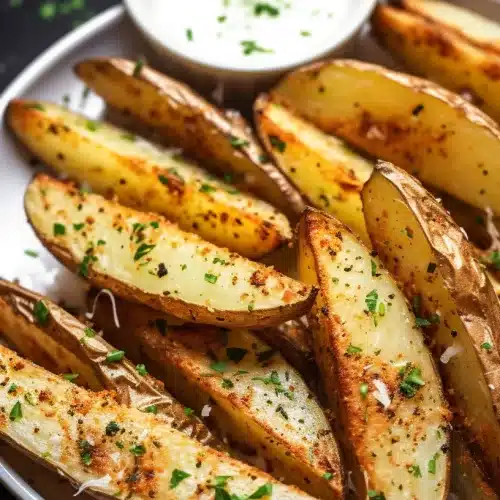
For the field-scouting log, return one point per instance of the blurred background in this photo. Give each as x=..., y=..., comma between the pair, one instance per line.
x=28, y=27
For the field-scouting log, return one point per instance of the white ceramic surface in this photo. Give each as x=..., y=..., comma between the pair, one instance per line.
x=50, y=77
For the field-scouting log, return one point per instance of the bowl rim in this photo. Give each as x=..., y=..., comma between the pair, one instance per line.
x=349, y=30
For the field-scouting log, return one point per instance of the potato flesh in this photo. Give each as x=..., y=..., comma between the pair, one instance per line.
x=442, y=56
x=63, y=414
x=324, y=169
x=144, y=176
x=388, y=450
x=186, y=120
x=408, y=259
x=280, y=420
x=417, y=125
x=476, y=28
x=196, y=275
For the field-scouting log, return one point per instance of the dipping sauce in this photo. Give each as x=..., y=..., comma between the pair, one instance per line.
x=247, y=34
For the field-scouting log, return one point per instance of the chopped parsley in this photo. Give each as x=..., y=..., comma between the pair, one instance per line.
x=129, y=137
x=371, y=301
x=138, y=67
x=305, y=33
x=177, y=477
x=327, y=476
x=251, y=46
x=188, y=411
x=264, y=490
x=83, y=269
x=494, y=259
x=227, y=384
x=143, y=250
x=431, y=465
x=236, y=354
x=411, y=383
x=486, y=346
x=78, y=226
x=141, y=370
x=363, y=390
x=90, y=332
x=221, y=19
x=115, y=356
x=85, y=451
x=91, y=125
x=265, y=8
x=238, y=143
x=277, y=143
x=189, y=34
x=112, y=428
x=41, y=313
x=374, y=268
x=34, y=105
x=59, y=229
x=375, y=495
x=151, y=409
x=219, y=366
x=207, y=188
x=284, y=414
x=31, y=253
x=211, y=278
x=70, y=376
x=16, y=413
x=352, y=349
x=12, y=388
x=415, y=470
x=137, y=450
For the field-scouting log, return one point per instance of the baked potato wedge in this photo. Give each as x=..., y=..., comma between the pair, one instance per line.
x=54, y=339
x=328, y=174
x=375, y=367
x=477, y=29
x=432, y=260
x=145, y=258
x=183, y=117
x=254, y=397
x=434, y=134
x=116, y=163
x=430, y=50
x=467, y=479
x=113, y=450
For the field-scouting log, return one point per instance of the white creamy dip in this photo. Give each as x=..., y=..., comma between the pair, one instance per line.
x=246, y=34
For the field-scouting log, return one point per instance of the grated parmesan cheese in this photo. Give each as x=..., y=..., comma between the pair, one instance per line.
x=205, y=411
x=113, y=305
x=101, y=482
x=382, y=393
x=450, y=352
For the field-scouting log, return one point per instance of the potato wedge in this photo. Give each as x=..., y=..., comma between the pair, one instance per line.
x=328, y=174
x=143, y=176
x=468, y=480
x=115, y=451
x=145, y=258
x=431, y=258
x=430, y=132
x=182, y=116
x=375, y=367
x=52, y=338
x=432, y=51
x=477, y=29
x=256, y=399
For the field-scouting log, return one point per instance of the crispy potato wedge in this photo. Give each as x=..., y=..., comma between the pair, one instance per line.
x=477, y=29
x=434, y=134
x=54, y=339
x=115, y=451
x=147, y=259
x=180, y=115
x=256, y=399
x=467, y=479
x=441, y=55
x=327, y=173
x=143, y=176
x=431, y=258
x=375, y=366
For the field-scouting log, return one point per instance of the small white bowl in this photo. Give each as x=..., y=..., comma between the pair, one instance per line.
x=247, y=74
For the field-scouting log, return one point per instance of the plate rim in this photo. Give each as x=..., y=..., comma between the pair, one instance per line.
x=36, y=69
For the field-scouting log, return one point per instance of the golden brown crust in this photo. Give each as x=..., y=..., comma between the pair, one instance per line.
x=194, y=124
x=18, y=322
x=477, y=303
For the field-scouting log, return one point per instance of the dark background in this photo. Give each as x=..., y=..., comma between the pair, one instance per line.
x=27, y=28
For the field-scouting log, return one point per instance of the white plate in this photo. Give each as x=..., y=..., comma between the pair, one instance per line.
x=50, y=77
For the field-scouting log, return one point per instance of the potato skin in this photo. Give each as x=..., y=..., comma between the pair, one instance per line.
x=439, y=54
x=115, y=163
x=144, y=258
x=458, y=290
x=182, y=116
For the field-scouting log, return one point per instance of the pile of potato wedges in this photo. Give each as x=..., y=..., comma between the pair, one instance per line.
x=288, y=314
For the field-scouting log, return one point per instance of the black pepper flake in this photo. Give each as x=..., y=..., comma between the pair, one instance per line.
x=162, y=270
x=417, y=109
